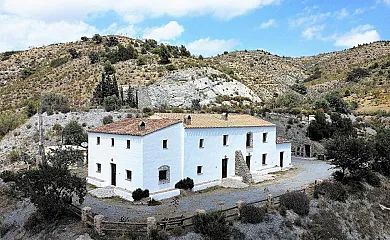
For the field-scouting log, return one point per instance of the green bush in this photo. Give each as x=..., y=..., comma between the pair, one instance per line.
x=326, y=225
x=212, y=225
x=58, y=62
x=296, y=201
x=331, y=190
x=13, y=156
x=146, y=110
x=171, y=67
x=74, y=133
x=107, y=120
x=111, y=103
x=33, y=223
x=252, y=214
x=138, y=194
x=9, y=122
x=158, y=235
x=372, y=178
x=186, y=184
x=8, y=176
x=53, y=102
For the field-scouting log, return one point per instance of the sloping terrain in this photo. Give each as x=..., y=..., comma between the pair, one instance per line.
x=24, y=75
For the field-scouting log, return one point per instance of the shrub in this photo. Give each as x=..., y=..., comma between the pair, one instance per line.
x=326, y=225
x=58, y=62
x=331, y=190
x=186, y=184
x=107, y=120
x=97, y=38
x=296, y=201
x=171, y=67
x=141, y=61
x=372, y=178
x=252, y=214
x=111, y=103
x=74, y=133
x=13, y=156
x=33, y=223
x=356, y=74
x=146, y=110
x=52, y=102
x=94, y=57
x=299, y=88
x=8, y=176
x=213, y=225
x=138, y=194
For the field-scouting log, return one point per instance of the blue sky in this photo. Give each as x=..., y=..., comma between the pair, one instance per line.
x=207, y=27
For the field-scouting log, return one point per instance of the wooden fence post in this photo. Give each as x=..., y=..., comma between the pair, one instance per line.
x=85, y=212
x=98, y=224
x=270, y=200
x=240, y=204
x=151, y=226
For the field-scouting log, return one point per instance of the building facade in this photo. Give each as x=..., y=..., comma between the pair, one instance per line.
x=156, y=153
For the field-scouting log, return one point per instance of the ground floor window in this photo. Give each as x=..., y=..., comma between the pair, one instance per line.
x=264, y=159
x=163, y=174
x=98, y=167
x=128, y=175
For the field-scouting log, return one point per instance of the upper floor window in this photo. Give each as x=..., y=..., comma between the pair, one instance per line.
x=201, y=143
x=128, y=144
x=249, y=140
x=98, y=141
x=165, y=144
x=225, y=140
x=112, y=142
x=99, y=167
x=265, y=135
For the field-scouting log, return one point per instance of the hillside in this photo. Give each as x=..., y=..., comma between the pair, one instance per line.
x=24, y=75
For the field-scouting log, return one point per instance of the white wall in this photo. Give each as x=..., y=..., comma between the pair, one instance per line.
x=286, y=148
x=210, y=157
x=155, y=156
x=125, y=159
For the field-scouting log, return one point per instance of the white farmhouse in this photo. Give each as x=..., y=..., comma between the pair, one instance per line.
x=157, y=152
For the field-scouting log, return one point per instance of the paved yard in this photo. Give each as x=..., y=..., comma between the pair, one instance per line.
x=305, y=173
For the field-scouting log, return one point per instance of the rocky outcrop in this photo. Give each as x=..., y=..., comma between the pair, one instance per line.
x=181, y=88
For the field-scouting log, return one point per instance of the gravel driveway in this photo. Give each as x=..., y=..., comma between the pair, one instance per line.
x=306, y=172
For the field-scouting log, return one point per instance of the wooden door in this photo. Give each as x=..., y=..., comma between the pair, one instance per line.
x=224, y=167
x=113, y=174
x=248, y=162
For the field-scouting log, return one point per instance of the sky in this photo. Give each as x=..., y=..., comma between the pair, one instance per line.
x=207, y=27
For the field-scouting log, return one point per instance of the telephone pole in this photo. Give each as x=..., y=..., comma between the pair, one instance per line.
x=41, y=151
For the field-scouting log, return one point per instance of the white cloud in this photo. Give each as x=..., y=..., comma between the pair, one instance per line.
x=209, y=47
x=343, y=13
x=313, y=32
x=268, y=24
x=131, y=9
x=169, y=31
x=361, y=34
x=19, y=33
x=309, y=19
x=387, y=1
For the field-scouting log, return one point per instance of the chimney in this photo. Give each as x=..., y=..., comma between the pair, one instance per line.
x=224, y=116
x=141, y=126
x=187, y=120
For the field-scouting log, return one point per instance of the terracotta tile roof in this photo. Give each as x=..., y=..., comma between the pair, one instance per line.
x=129, y=126
x=282, y=140
x=215, y=120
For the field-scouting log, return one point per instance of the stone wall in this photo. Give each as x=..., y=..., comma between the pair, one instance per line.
x=241, y=168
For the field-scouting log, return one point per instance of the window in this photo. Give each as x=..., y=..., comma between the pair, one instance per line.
x=99, y=167
x=225, y=140
x=249, y=140
x=264, y=159
x=128, y=175
x=165, y=144
x=112, y=142
x=163, y=174
x=265, y=137
x=199, y=170
x=201, y=143
x=98, y=141
x=128, y=144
